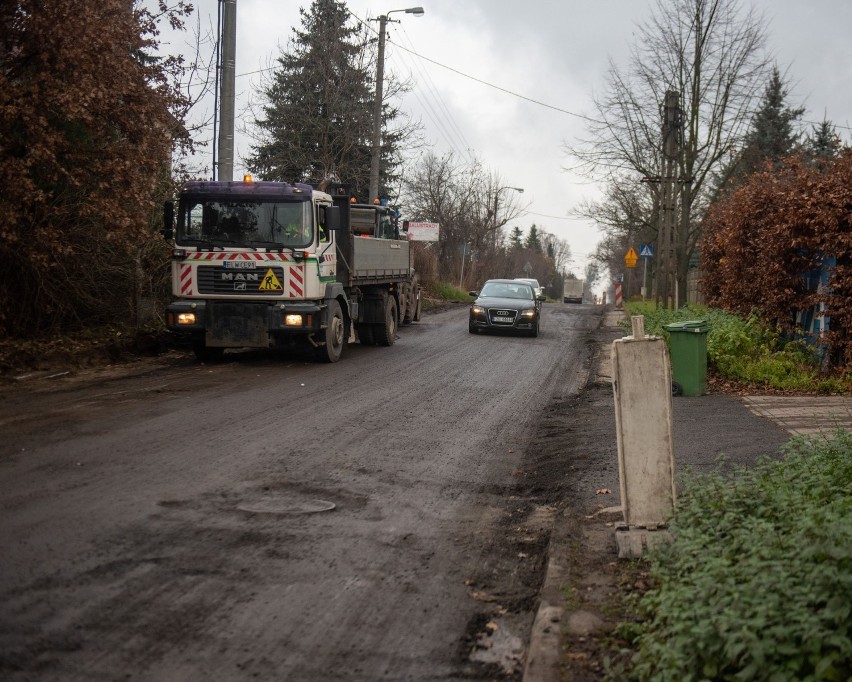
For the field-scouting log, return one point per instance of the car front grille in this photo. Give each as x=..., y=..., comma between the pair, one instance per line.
x=502, y=316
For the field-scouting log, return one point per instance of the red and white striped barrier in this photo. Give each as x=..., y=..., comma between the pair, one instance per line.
x=619, y=303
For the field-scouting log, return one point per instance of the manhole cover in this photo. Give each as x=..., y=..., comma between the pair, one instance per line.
x=285, y=505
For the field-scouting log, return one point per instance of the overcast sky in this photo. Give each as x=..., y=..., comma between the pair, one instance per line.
x=554, y=52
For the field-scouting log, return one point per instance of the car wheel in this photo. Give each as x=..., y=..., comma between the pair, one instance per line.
x=472, y=329
x=534, y=330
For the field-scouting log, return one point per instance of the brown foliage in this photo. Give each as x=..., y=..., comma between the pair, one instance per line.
x=87, y=124
x=762, y=237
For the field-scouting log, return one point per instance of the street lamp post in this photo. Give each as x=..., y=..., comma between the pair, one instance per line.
x=519, y=190
x=375, y=160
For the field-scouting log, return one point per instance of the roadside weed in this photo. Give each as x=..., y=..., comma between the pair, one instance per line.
x=757, y=584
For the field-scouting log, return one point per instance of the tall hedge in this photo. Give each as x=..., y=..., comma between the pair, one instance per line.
x=88, y=119
x=760, y=239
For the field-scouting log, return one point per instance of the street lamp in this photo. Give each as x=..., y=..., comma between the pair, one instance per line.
x=377, y=114
x=519, y=190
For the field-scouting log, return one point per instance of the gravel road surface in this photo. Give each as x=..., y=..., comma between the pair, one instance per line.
x=384, y=517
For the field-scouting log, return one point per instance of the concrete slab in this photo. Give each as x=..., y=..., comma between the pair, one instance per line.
x=804, y=415
x=633, y=542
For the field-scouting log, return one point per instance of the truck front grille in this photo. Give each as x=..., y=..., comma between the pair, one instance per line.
x=218, y=280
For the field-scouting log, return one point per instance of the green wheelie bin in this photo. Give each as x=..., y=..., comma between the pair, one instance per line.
x=689, y=356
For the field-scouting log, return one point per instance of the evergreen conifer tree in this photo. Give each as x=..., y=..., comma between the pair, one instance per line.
x=823, y=142
x=533, y=241
x=318, y=107
x=516, y=238
x=771, y=136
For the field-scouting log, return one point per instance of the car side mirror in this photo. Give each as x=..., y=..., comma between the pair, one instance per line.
x=473, y=293
x=541, y=297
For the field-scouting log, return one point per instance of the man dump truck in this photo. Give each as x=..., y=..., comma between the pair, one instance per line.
x=572, y=291
x=278, y=265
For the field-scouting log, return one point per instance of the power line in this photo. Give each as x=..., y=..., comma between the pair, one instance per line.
x=555, y=217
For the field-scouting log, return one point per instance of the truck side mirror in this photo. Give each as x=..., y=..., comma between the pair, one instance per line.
x=168, y=230
x=330, y=217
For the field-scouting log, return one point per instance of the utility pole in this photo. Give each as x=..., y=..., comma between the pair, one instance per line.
x=671, y=151
x=375, y=159
x=225, y=170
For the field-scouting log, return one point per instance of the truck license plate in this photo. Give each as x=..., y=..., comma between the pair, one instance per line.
x=503, y=319
x=238, y=265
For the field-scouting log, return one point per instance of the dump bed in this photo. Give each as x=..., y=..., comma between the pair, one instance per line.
x=379, y=260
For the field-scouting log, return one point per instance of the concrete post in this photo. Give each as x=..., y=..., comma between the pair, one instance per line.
x=642, y=386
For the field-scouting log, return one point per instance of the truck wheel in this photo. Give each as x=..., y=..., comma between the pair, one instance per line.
x=412, y=300
x=404, y=311
x=365, y=334
x=385, y=333
x=334, y=335
x=416, y=316
x=204, y=353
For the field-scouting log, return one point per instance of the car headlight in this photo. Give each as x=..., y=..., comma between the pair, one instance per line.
x=477, y=310
x=528, y=313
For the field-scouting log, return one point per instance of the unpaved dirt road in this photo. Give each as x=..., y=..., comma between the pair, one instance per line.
x=385, y=517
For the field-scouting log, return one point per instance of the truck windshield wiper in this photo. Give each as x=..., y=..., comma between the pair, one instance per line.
x=269, y=246
x=203, y=244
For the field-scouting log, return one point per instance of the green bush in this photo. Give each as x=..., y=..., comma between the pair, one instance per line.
x=746, y=350
x=448, y=292
x=757, y=584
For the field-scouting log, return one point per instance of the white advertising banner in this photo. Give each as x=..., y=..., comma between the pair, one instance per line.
x=423, y=232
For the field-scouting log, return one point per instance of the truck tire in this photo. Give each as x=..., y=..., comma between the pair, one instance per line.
x=403, y=311
x=416, y=316
x=334, y=335
x=365, y=334
x=385, y=333
x=412, y=301
x=204, y=353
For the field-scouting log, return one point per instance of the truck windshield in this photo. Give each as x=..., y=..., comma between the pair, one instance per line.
x=244, y=223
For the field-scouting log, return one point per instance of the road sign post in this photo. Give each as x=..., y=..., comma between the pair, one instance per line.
x=646, y=251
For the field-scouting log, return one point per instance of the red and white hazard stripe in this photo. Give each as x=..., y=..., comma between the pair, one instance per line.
x=222, y=255
x=185, y=278
x=296, y=280
x=619, y=303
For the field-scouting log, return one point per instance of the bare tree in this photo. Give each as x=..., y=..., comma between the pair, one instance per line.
x=467, y=201
x=709, y=51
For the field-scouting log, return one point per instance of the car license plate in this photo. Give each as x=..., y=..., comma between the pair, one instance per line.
x=238, y=265
x=503, y=319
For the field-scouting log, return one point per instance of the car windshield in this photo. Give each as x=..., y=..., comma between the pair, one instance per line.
x=507, y=290
x=245, y=222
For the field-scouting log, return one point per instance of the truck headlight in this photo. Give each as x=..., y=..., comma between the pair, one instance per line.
x=186, y=318
x=292, y=320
